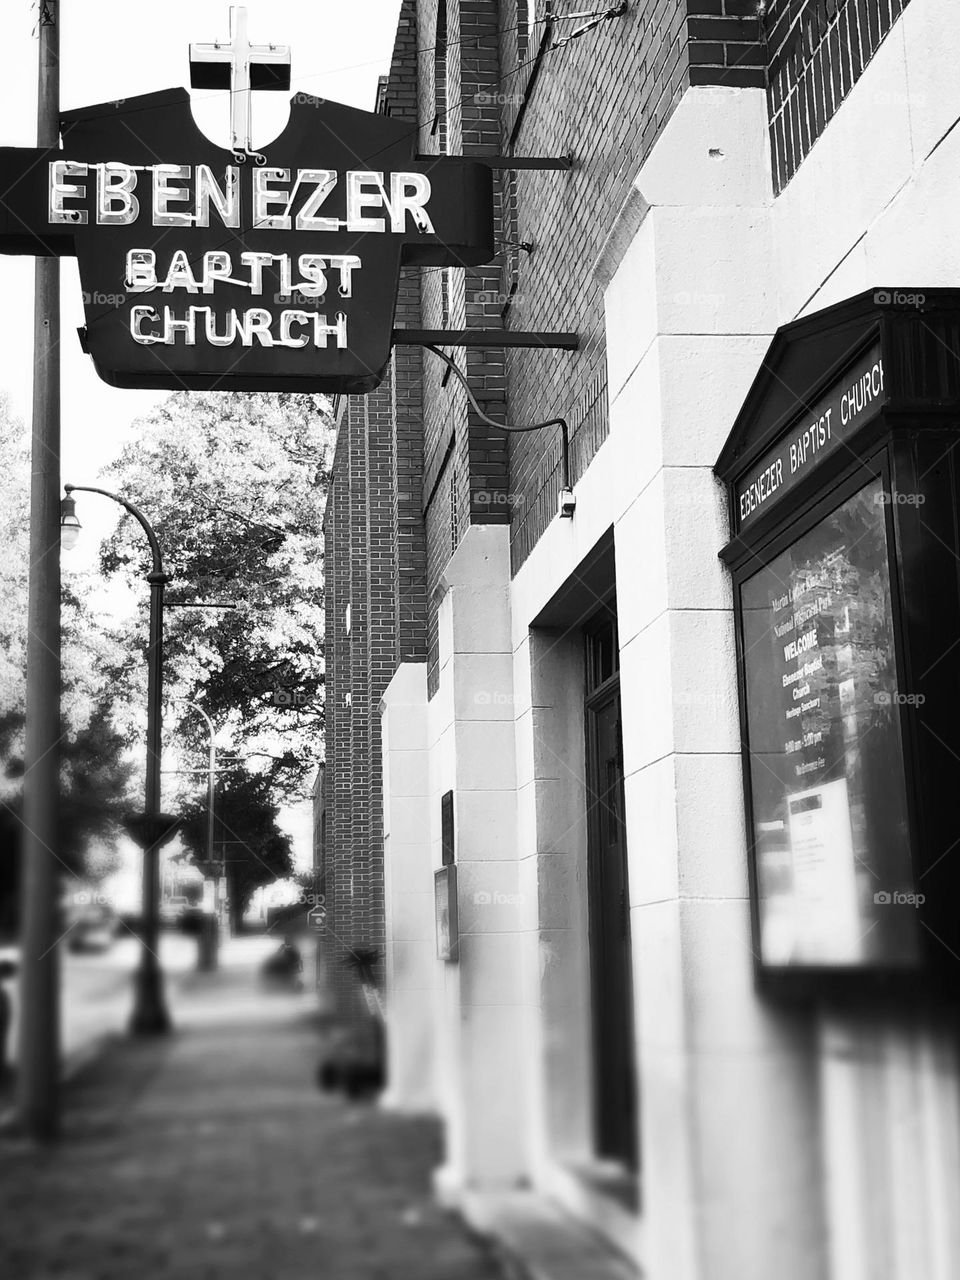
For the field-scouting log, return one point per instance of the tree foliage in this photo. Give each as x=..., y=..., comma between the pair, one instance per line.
x=234, y=485
x=96, y=776
x=254, y=850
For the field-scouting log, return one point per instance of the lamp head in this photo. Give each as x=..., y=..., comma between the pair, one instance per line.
x=69, y=524
x=567, y=505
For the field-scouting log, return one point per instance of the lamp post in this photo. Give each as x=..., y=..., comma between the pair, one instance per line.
x=211, y=865
x=151, y=829
x=211, y=772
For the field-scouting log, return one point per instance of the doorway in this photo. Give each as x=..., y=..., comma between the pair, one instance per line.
x=614, y=1058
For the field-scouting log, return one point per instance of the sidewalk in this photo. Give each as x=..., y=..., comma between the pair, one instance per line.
x=213, y=1154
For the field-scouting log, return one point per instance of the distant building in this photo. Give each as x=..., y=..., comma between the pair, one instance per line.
x=550, y=705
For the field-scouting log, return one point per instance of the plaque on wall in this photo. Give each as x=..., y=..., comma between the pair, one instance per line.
x=446, y=914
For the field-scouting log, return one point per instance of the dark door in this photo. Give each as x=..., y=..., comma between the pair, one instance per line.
x=615, y=1105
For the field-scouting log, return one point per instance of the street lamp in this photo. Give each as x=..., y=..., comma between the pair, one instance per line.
x=211, y=869
x=151, y=829
x=70, y=526
x=211, y=772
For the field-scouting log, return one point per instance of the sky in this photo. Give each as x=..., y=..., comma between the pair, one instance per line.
x=114, y=49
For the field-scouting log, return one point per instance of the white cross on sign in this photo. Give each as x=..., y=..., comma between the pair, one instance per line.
x=240, y=67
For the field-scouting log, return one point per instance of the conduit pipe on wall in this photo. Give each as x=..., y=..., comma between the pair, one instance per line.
x=568, y=502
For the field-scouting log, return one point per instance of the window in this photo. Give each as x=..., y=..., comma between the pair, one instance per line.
x=439, y=128
x=603, y=650
x=523, y=28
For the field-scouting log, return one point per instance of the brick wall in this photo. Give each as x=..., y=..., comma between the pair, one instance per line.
x=725, y=43
x=410, y=586
x=361, y=625
x=475, y=77
x=464, y=460
x=816, y=52
x=338, y=781
x=603, y=98
x=375, y=554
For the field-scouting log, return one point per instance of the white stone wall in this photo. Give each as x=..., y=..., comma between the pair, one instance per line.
x=472, y=753
x=885, y=213
x=412, y=975
x=753, y=1162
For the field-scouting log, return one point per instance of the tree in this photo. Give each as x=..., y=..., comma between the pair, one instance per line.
x=94, y=797
x=234, y=484
x=95, y=773
x=255, y=851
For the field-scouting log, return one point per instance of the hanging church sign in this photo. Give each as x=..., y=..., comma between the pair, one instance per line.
x=207, y=269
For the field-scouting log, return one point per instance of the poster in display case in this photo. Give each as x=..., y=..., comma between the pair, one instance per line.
x=826, y=771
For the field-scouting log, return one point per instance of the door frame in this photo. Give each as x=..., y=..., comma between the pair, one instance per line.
x=596, y=697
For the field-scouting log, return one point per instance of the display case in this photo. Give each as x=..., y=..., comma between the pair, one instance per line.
x=844, y=485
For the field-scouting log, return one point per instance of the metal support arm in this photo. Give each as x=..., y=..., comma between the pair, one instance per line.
x=512, y=338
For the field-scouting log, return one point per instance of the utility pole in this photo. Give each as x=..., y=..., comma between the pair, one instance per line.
x=39, y=1053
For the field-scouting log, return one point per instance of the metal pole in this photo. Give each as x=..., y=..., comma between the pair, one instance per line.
x=211, y=793
x=211, y=773
x=211, y=800
x=38, y=1100
x=241, y=105
x=149, y=1011
x=149, y=1008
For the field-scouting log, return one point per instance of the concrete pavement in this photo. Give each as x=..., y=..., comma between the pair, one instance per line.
x=212, y=1154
